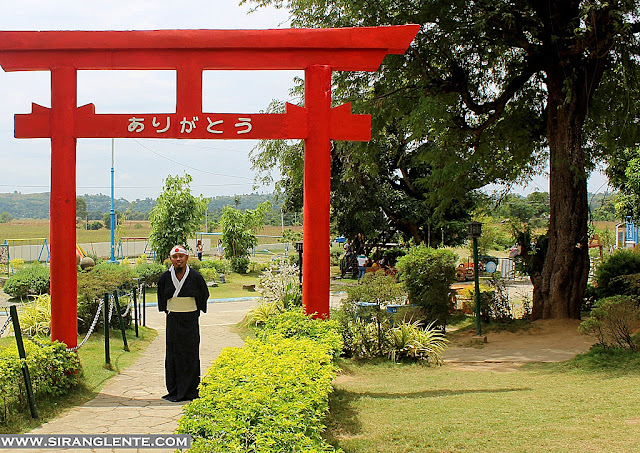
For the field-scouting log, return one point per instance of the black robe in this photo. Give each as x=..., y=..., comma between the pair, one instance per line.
x=182, y=358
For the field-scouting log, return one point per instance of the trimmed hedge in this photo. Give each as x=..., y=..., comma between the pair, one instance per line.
x=262, y=398
x=295, y=324
x=53, y=371
x=33, y=279
x=92, y=286
x=149, y=273
x=270, y=395
x=428, y=274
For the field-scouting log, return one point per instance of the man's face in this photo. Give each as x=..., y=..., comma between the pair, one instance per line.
x=179, y=260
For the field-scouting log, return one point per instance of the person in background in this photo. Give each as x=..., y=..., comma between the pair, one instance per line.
x=362, y=265
x=199, y=249
x=182, y=295
x=220, y=249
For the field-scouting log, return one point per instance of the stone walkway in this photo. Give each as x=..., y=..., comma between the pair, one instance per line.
x=131, y=402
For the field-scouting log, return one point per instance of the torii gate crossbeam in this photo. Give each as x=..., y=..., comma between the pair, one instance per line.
x=190, y=52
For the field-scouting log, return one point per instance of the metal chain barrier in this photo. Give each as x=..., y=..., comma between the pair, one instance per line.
x=111, y=303
x=89, y=332
x=6, y=324
x=33, y=339
x=91, y=329
x=129, y=304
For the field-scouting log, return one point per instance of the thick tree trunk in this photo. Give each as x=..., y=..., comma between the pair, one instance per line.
x=566, y=266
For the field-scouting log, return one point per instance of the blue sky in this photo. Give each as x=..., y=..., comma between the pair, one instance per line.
x=217, y=167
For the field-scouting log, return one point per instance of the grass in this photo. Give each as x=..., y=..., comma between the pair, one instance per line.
x=94, y=377
x=30, y=228
x=34, y=228
x=586, y=404
x=231, y=289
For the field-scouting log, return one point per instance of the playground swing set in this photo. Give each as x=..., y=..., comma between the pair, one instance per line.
x=36, y=250
x=125, y=244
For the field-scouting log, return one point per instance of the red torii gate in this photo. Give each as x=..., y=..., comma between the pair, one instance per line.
x=189, y=52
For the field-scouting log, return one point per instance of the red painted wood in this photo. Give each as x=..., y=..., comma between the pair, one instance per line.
x=290, y=125
x=64, y=326
x=210, y=59
x=344, y=49
x=317, y=187
x=392, y=39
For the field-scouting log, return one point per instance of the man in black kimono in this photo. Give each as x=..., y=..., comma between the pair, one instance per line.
x=182, y=294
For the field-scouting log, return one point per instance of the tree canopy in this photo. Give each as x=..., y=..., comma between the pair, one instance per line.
x=176, y=216
x=489, y=91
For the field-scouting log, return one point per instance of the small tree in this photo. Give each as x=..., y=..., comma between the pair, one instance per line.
x=239, y=230
x=81, y=208
x=428, y=274
x=176, y=215
x=5, y=217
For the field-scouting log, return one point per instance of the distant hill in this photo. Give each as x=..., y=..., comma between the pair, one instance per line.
x=25, y=206
x=36, y=205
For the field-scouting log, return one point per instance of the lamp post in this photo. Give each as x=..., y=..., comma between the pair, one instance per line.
x=299, y=250
x=474, y=229
x=112, y=213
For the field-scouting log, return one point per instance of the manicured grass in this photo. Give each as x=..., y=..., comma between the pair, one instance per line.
x=233, y=286
x=231, y=289
x=587, y=404
x=95, y=375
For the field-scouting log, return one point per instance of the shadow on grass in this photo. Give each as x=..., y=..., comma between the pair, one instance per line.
x=49, y=408
x=434, y=393
x=343, y=420
x=343, y=417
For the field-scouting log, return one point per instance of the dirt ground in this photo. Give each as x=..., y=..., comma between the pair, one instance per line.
x=546, y=341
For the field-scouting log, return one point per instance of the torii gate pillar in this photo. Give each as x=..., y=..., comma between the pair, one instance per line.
x=62, y=208
x=190, y=52
x=317, y=192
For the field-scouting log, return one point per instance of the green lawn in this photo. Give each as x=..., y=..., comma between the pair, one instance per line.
x=582, y=405
x=231, y=289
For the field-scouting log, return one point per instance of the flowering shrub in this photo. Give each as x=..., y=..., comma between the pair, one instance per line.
x=281, y=285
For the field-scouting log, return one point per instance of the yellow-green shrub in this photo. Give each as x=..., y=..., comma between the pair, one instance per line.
x=53, y=372
x=263, y=397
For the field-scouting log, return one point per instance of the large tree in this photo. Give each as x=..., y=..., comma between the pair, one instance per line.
x=500, y=86
x=176, y=216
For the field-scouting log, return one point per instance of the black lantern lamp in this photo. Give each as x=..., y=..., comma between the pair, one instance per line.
x=298, y=245
x=474, y=229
